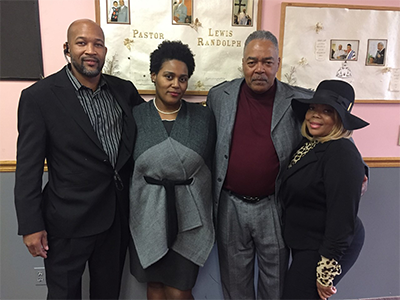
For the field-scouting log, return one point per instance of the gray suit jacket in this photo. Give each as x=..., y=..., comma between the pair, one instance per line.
x=123, y=14
x=285, y=127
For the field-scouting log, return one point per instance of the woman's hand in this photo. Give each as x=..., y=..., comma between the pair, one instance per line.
x=364, y=185
x=325, y=291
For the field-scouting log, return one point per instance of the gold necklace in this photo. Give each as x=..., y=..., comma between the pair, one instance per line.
x=167, y=112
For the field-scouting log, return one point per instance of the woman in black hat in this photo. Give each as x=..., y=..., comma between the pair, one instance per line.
x=321, y=193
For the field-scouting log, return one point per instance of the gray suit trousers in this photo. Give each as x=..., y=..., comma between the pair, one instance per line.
x=246, y=231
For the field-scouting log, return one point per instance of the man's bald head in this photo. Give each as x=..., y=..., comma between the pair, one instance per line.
x=79, y=24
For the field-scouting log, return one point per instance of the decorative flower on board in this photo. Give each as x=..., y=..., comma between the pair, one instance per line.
x=128, y=43
x=318, y=27
x=196, y=24
x=199, y=85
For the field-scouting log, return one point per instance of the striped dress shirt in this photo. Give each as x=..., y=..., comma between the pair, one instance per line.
x=104, y=114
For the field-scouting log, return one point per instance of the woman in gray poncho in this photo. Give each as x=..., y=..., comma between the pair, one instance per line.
x=170, y=198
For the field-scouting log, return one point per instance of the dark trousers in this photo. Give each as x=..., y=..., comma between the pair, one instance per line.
x=105, y=255
x=300, y=281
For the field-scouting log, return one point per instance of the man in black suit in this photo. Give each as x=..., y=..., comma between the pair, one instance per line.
x=380, y=54
x=80, y=121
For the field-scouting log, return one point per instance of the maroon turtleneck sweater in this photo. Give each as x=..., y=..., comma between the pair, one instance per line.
x=253, y=163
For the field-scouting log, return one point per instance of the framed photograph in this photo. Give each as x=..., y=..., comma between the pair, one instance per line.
x=346, y=50
x=376, y=52
x=118, y=12
x=182, y=12
x=242, y=12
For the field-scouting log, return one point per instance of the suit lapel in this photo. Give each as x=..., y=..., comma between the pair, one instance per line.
x=230, y=109
x=311, y=157
x=65, y=92
x=303, y=162
x=280, y=105
x=128, y=124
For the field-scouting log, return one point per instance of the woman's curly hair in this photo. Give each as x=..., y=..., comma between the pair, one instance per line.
x=169, y=50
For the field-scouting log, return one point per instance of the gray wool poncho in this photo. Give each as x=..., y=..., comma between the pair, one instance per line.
x=186, y=153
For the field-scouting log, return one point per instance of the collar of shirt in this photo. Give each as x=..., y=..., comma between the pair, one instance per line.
x=77, y=85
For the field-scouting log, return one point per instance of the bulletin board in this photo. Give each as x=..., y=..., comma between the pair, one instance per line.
x=358, y=44
x=214, y=30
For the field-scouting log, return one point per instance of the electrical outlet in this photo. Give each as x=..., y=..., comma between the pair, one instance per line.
x=40, y=276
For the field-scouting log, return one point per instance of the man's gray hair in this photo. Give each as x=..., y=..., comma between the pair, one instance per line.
x=261, y=35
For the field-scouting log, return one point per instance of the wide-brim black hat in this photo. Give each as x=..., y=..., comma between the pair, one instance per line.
x=336, y=93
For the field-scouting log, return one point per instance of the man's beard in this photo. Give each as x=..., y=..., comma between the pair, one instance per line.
x=84, y=71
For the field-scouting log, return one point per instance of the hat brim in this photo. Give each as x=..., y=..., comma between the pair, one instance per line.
x=350, y=122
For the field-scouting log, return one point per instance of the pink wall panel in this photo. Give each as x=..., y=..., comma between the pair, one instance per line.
x=381, y=137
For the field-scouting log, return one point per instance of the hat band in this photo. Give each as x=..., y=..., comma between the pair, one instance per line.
x=336, y=98
x=350, y=105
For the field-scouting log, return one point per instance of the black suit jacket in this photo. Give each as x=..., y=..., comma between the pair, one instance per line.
x=80, y=197
x=380, y=56
x=320, y=195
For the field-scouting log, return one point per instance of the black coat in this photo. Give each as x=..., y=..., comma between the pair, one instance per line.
x=320, y=196
x=380, y=57
x=80, y=196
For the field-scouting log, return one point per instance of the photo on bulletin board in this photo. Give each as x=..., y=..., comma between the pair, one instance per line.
x=344, y=50
x=118, y=12
x=182, y=12
x=376, y=52
x=242, y=12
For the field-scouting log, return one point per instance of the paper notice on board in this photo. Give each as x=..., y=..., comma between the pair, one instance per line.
x=320, y=50
x=394, y=85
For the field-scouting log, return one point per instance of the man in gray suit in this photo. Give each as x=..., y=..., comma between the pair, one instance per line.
x=257, y=131
x=123, y=12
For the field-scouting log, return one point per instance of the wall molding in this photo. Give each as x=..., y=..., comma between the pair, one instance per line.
x=372, y=162
x=7, y=166
x=382, y=162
